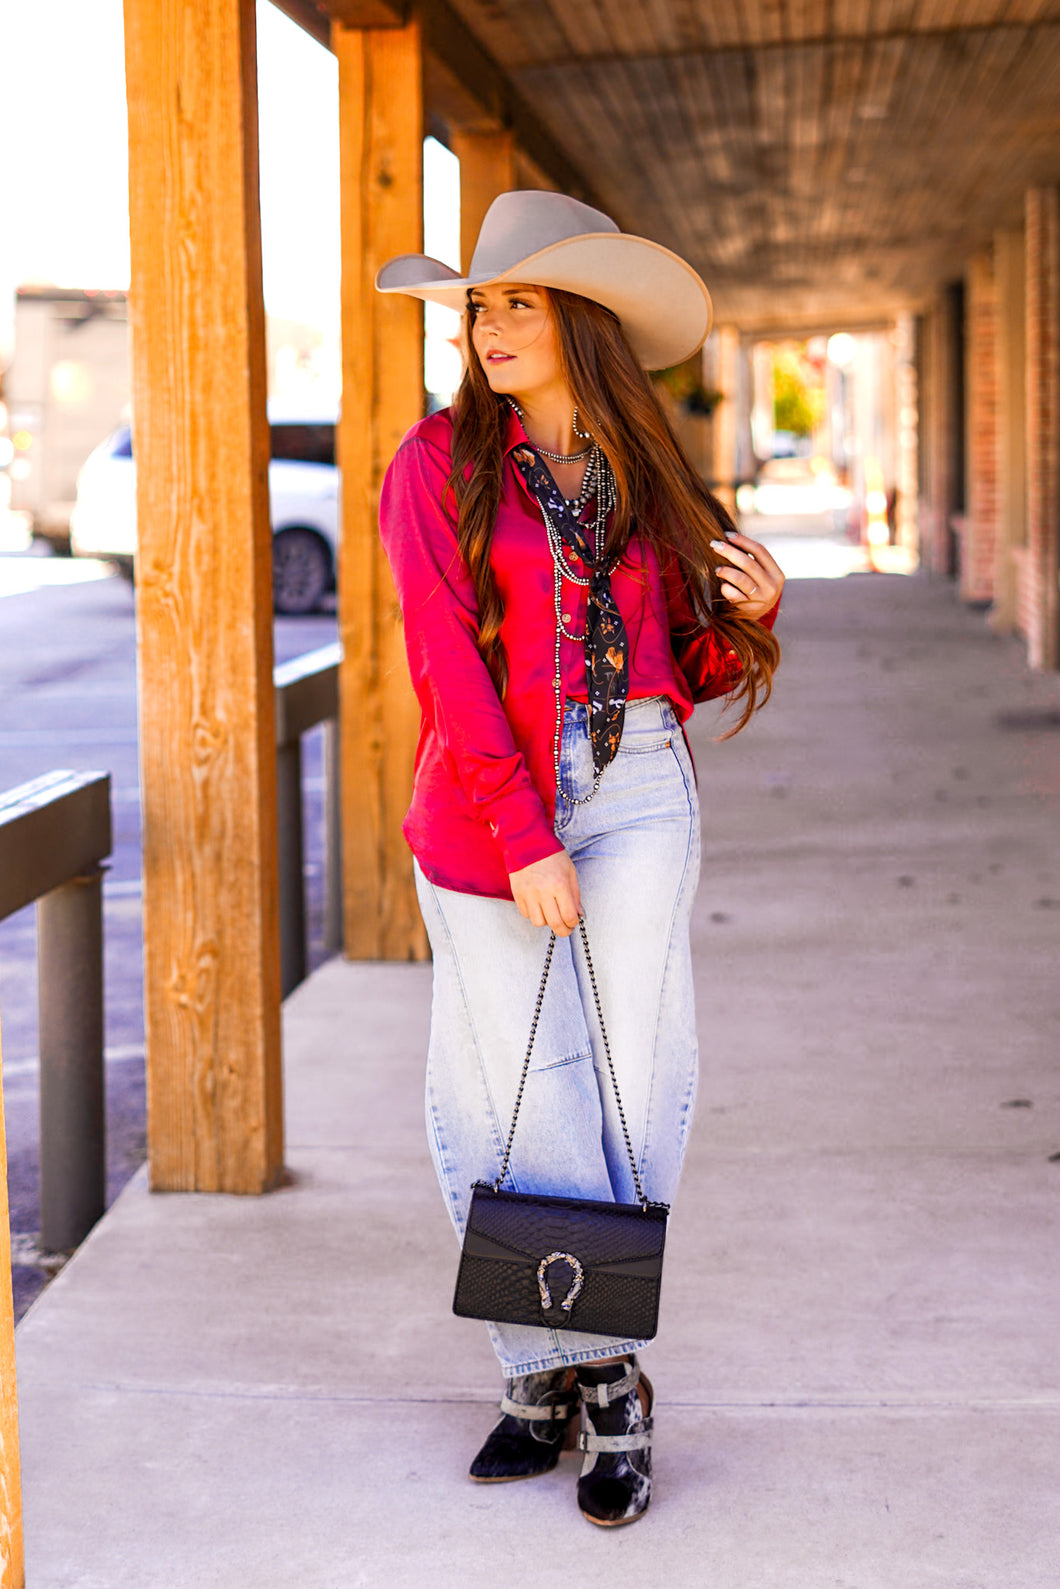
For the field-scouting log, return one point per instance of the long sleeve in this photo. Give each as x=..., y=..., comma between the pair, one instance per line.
x=452, y=683
x=709, y=669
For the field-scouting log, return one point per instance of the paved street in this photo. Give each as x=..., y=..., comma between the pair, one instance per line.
x=857, y=1375
x=68, y=699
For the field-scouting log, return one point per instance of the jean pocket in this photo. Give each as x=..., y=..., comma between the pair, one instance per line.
x=645, y=745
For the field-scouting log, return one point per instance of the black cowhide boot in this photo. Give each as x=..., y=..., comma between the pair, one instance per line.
x=536, y=1412
x=615, y=1482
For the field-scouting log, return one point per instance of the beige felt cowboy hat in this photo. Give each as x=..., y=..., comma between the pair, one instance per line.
x=550, y=240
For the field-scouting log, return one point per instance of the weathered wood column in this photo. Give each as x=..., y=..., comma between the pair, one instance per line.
x=11, y=1564
x=381, y=182
x=204, y=599
x=1041, y=596
x=487, y=168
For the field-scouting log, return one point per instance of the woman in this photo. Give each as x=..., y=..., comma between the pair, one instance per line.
x=568, y=594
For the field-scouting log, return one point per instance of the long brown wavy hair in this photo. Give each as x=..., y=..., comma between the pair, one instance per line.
x=659, y=494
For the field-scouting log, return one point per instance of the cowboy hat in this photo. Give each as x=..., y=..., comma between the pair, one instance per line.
x=550, y=240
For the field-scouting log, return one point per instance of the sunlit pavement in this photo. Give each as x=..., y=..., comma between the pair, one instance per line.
x=27, y=565
x=857, y=1373
x=810, y=546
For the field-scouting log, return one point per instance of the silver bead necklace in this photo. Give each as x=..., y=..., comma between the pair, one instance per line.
x=559, y=457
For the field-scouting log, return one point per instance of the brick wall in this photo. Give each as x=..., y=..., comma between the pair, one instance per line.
x=979, y=536
x=1037, y=601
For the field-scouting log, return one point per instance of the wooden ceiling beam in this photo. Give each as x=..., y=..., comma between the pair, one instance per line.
x=464, y=85
x=316, y=19
x=456, y=51
x=710, y=52
x=309, y=17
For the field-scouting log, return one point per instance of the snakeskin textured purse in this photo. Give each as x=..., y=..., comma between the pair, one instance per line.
x=563, y=1262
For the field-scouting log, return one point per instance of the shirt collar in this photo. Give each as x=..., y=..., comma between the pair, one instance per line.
x=516, y=435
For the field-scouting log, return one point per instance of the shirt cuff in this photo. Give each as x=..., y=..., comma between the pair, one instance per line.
x=768, y=619
x=526, y=834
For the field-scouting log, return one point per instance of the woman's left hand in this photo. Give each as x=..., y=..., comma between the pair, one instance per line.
x=750, y=578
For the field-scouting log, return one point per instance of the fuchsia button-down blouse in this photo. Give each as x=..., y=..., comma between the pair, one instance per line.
x=484, y=794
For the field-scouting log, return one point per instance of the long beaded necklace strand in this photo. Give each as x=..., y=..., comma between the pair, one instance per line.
x=597, y=478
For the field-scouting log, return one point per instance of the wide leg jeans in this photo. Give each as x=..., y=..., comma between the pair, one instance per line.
x=636, y=847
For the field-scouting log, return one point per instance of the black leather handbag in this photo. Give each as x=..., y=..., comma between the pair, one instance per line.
x=563, y=1262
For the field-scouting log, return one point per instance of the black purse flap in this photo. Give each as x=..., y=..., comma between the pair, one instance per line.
x=523, y=1225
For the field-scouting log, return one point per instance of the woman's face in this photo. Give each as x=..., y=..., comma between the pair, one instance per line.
x=514, y=335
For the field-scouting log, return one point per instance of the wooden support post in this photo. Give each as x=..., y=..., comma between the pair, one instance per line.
x=11, y=1564
x=727, y=416
x=487, y=168
x=204, y=599
x=381, y=186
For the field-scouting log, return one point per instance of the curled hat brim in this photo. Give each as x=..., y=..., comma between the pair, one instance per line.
x=662, y=304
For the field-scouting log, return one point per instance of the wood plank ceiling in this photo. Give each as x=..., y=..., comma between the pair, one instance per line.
x=821, y=162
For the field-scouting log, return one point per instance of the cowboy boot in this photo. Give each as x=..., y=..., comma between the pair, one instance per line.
x=536, y=1412
x=615, y=1482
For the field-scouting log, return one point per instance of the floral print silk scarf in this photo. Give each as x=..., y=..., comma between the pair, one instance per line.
x=606, y=645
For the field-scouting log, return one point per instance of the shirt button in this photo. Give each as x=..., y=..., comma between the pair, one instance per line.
x=565, y=617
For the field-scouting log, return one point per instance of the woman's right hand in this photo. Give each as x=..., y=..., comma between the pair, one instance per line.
x=547, y=893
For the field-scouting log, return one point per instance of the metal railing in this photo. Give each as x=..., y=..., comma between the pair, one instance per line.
x=55, y=833
x=307, y=695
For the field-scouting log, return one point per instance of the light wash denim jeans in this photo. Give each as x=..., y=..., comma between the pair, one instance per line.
x=636, y=849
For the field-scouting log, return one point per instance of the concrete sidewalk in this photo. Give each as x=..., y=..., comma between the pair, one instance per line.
x=857, y=1372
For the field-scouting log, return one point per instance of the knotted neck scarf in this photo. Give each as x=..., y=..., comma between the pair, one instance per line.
x=606, y=645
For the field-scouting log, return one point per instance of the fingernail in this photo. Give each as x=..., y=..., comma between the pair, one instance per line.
x=720, y=546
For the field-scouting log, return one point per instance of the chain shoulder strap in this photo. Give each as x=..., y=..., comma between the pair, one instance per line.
x=641, y=1195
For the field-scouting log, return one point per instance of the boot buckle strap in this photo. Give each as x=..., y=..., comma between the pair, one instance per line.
x=550, y=1414
x=640, y=1441
x=604, y=1395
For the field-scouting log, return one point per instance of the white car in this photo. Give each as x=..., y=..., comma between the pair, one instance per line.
x=303, y=506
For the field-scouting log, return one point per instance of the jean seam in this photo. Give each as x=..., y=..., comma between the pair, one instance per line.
x=498, y=1132
x=450, y=1178
x=678, y=896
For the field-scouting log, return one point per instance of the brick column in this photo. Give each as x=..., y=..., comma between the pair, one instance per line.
x=1038, y=592
x=1010, y=270
x=981, y=381
x=940, y=426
